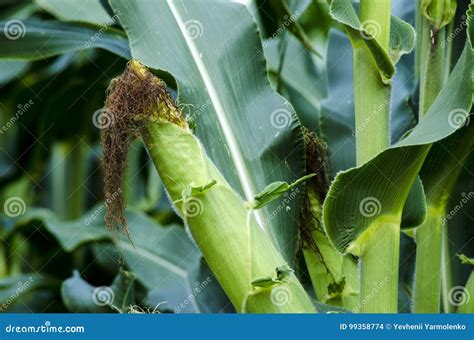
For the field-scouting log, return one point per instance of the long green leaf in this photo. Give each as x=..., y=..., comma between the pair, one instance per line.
x=81, y=297
x=71, y=234
x=447, y=158
x=72, y=10
x=35, y=40
x=162, y=258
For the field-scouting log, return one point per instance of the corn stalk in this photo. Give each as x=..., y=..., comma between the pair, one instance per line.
x=380, y=254
x=434, y=16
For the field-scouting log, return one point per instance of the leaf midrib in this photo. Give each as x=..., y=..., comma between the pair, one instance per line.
x=241, y=169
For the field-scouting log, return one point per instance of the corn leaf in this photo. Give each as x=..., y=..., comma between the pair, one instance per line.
x=402, y=37
x=323, y=97
x=70, y=234
x=35, y=40
x=81, y=297
x=287, y=18
x=11, y=69
x=27, y=293
x=71, y=10
x=221, y=76
x=161, y=258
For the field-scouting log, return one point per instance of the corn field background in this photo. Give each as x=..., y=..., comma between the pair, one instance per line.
x=253, y=156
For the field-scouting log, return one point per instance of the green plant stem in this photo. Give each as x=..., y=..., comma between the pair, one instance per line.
x=379, y=260
x=449, y=51
x=428, y=262
x=372, y=97
x=446, y=273
x=379, y=270
x=433, y=66
x=419, y=33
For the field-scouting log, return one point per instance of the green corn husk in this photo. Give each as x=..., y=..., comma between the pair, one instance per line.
x=251, y=271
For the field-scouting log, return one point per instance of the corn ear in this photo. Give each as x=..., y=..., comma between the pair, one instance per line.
x=238, y=251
